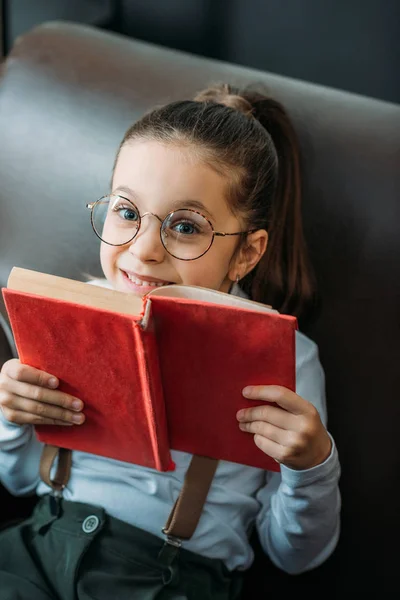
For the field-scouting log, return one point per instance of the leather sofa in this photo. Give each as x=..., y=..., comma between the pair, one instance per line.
x=68, y=93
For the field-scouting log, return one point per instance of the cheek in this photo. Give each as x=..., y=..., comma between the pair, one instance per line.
x=209, y=271
x=107, y=258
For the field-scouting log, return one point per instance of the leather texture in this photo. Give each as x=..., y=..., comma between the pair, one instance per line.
x=67, y=95
x=6, y=341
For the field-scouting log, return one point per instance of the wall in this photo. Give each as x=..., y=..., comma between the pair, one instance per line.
x=349, y=44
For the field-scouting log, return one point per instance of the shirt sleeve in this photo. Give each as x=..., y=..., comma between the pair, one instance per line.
x=20, y=453
x=299, y=520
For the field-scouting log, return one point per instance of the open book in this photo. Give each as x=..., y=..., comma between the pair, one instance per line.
x=156, y=373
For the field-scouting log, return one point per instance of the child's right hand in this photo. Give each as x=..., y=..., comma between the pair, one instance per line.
x=28, y=396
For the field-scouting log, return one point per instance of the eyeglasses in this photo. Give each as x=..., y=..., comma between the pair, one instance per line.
x=185, y=233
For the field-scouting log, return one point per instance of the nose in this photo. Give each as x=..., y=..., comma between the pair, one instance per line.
x=147, y=246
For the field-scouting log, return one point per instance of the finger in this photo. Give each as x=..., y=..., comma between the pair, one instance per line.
x=25, y=373
x=282, y=396
x=270, y=414
x=275, y=434
x=42, y=410
x=24, y=418
x=42, y=394
x=272, y=449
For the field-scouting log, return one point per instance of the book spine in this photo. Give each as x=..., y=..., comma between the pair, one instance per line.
x=13, y=317
x=153, y=398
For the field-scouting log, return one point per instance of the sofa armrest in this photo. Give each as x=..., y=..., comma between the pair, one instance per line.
x=7, y=345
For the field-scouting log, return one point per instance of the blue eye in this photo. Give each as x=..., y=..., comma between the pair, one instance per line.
x=128, y=214
x=185, y=228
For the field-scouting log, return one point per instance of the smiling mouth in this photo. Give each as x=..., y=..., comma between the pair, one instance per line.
x=144, y=282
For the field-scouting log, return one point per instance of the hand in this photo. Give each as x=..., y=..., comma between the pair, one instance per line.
x=28, y=396
x=290, y=431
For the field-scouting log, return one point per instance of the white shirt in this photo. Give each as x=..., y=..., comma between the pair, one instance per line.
x=296, y=512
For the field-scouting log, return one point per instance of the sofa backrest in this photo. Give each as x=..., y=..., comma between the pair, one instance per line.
x=67, y=95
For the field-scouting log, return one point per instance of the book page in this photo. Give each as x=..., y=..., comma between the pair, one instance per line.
x=61, y=288
x=206, y=295
x=79, y=292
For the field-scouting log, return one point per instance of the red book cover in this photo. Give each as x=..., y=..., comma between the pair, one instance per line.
x=209, y=354
x=169, y=375
x=103, y=358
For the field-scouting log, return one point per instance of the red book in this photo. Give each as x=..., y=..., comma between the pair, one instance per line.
x=159, y=373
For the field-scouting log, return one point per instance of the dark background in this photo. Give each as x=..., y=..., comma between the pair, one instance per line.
x=352, y=45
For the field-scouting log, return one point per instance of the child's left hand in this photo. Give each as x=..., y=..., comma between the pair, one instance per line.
x=294, y=436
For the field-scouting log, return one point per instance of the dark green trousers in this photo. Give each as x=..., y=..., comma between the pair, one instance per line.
x=78, y=552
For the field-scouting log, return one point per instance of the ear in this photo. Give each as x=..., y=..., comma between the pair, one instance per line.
x=248, y=254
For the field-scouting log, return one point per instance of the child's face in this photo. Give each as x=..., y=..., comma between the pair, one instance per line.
x=159, y=178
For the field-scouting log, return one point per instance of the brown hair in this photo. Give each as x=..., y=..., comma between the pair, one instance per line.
x=248, y=137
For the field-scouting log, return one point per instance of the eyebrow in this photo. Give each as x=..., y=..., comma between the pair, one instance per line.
x=194, y=204
x=125, y=190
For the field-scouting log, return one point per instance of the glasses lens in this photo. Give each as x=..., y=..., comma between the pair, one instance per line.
x=186, y=234
x=115, y=220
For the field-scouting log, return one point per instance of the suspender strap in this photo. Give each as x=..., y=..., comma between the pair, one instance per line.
x=62, y=475
x=186, y=512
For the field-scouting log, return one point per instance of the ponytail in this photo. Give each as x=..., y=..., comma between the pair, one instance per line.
x=283, y=277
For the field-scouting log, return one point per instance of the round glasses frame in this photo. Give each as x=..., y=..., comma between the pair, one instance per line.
x=92, y=205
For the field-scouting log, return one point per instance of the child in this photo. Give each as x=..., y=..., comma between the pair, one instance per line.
x=226, y=162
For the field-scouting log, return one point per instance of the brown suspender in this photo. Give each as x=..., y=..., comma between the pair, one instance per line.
x=186, y=512
x=62, y=475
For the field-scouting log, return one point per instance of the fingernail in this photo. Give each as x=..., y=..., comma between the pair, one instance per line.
x=77, y=404
x=77, y=418
x=53, y=383
x=240, y=414
x=247, y=391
